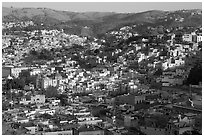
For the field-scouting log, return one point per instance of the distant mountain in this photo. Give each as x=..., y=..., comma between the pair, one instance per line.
x=101, y=22
x=42, y=13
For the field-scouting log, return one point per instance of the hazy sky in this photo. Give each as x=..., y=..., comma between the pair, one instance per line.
x=107, y=6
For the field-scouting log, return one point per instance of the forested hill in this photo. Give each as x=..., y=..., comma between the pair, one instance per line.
x=102, y=22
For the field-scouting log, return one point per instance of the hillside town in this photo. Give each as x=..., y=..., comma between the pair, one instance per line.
x=124, y=83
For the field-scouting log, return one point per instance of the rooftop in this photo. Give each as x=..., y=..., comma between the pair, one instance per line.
x=89, y=128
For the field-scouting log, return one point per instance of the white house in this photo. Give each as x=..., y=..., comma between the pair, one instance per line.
x=32, y=130
x=199, y=37
x=38, y=99
x=35, y=71
x=187, y=37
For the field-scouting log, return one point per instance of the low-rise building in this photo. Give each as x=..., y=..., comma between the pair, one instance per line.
x=90, y=130
x=38, y=99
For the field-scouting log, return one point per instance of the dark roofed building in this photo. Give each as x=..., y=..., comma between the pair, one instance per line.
x=90, y=130
x=6, y=72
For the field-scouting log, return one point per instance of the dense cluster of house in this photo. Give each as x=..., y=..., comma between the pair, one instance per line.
x=21, y=24
x=44, y=116
x=131, y=107
x=147, y=111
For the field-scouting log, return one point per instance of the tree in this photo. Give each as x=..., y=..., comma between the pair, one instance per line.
x=18, y=83
x=7, y=85
x=25, y=75
x=155, y=85
x=63, y=99
x=195, y=75
x=98, y=111
x=134, y=65
x=161, y=121
x=45, y=55
x=158, y=72
x=33, y=52
x=5, y=105
x=51, y=92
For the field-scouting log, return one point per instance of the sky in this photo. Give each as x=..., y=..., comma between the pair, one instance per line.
x=122, y=7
